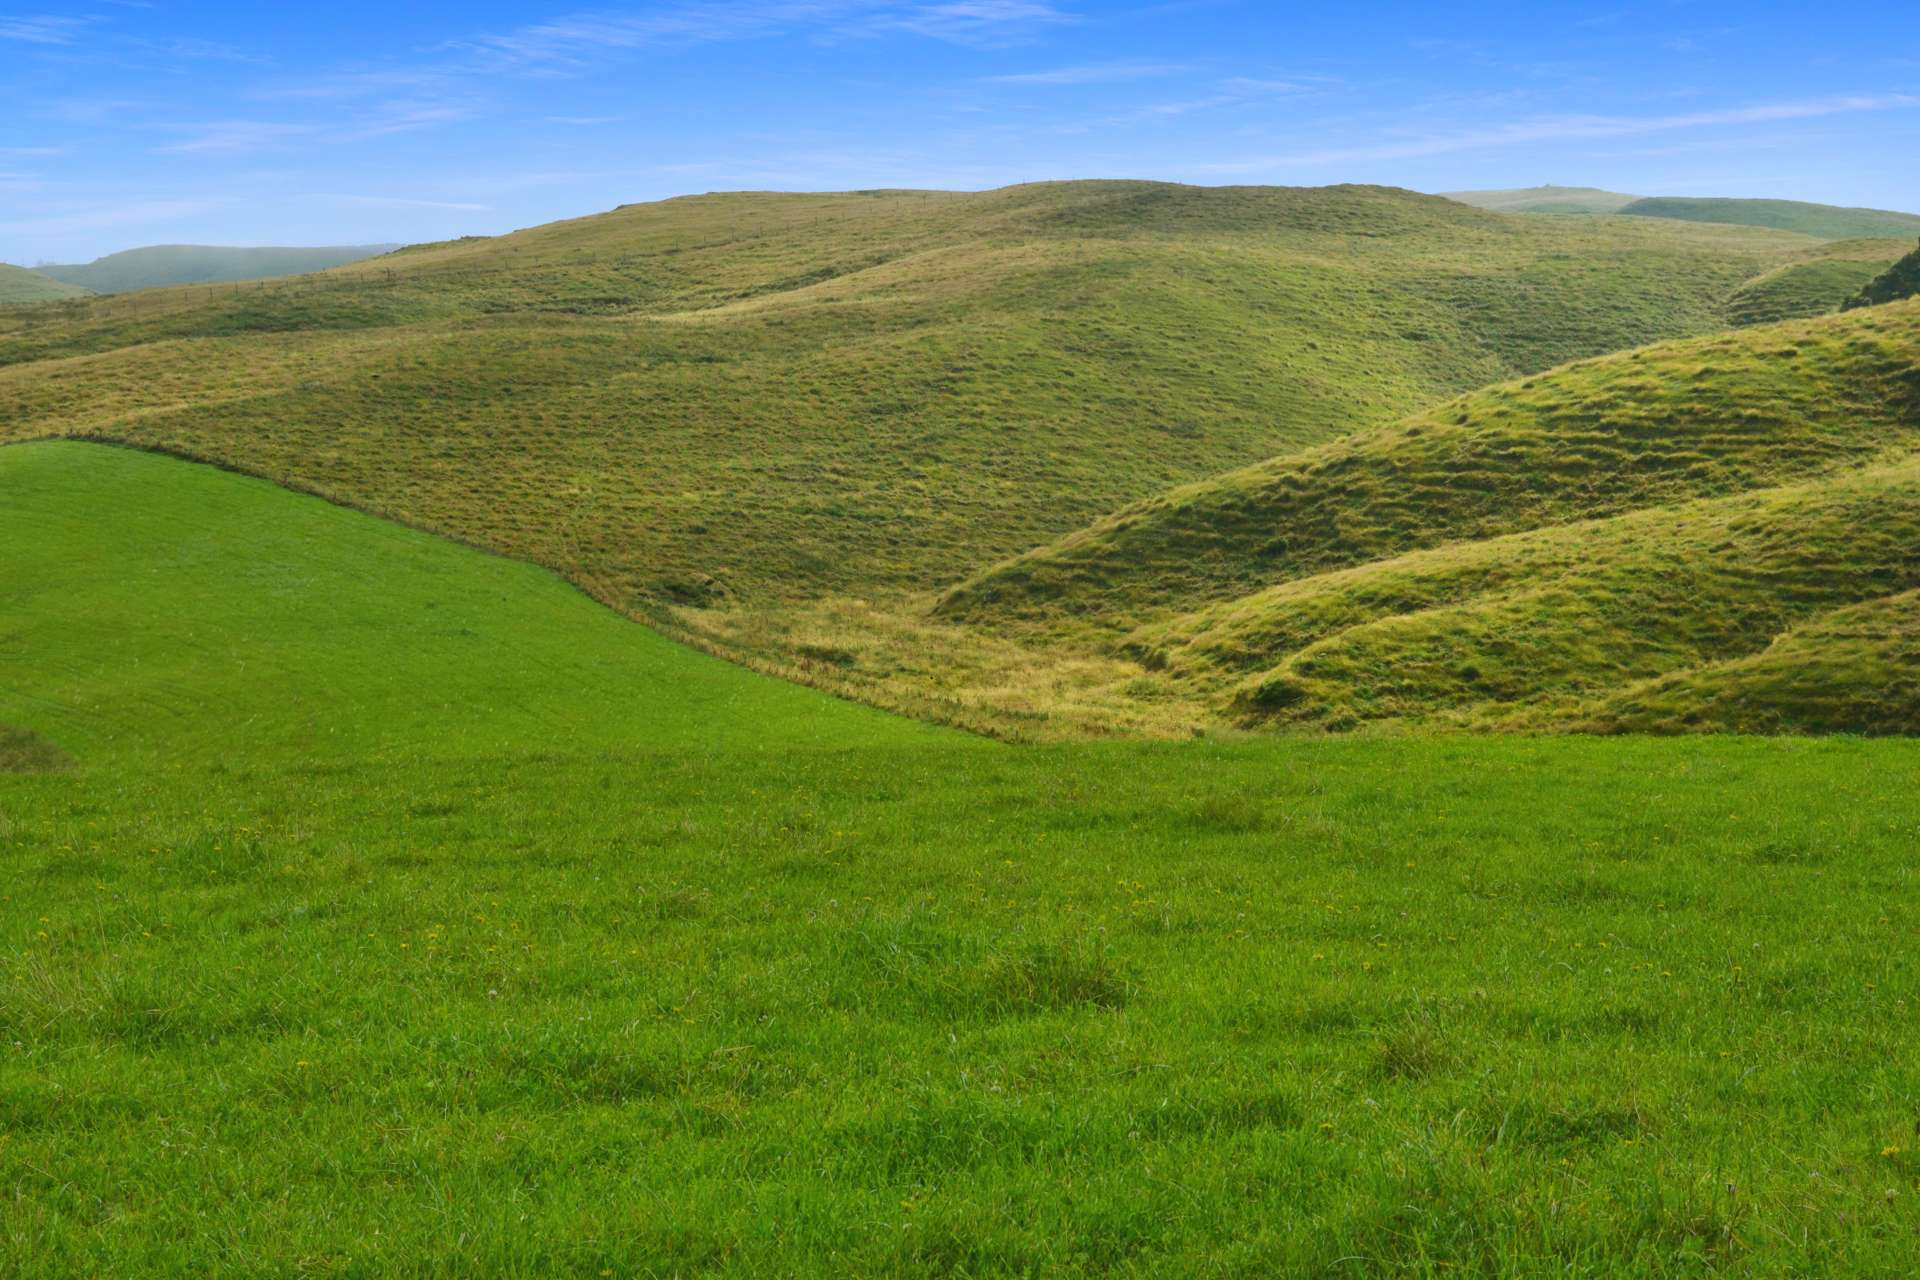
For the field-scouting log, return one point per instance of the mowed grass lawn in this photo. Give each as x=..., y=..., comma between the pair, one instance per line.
x=594, y=980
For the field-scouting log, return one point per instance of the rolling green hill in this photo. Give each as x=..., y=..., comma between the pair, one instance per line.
x=801, y=416
x=1546, y=199
x=17, y=284
x=169, y=264
x=152, y=608
x=1825, y=221
x=1527, y=553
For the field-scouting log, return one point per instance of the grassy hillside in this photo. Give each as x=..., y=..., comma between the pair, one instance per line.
x=154, y=608
x=399, y=911
x=1827, y=222
x=1287, y=590
x=1545, y=199
x=168, y=264
x=17, y=284
x=1819, y=281
x=743, y=403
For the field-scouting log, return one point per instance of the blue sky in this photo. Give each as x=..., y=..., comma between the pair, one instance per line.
x=124, y=122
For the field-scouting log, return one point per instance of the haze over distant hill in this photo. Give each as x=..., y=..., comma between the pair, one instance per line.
x=18, y=284
x=1545, y=199
x=1828, y=222
x=1824, y=221
x=164, y=264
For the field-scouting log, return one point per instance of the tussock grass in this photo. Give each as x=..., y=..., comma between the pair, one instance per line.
x=23, y=752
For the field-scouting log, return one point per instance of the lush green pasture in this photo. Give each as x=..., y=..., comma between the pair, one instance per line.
x=336, y=940
x=1418, y=1006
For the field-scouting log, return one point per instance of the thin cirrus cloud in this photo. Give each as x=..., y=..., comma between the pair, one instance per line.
x=234, y=137
x=43, y=29
x=1574, y=129
x=578, y=39
x=1098, y=73
x=239, y=137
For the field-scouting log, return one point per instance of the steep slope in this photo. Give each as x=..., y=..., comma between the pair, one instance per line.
x=1901, y=280
x=755, y=399
x=167, y=264
x=1519, y=557
x=1819, y=281
x=1545, y=199
x=1825, y=221
x=17, y=284
x=155, y=609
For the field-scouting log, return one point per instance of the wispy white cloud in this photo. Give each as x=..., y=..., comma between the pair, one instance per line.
x=400, y=117
x=43, y=29
x=189, y=49
x=239, y=137
x=1570, y=129
x=584, y=122
x=580, y=38
x=232, y=137
x=977, y=22
x=1097, y=73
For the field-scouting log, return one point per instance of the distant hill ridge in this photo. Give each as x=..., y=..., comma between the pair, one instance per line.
x=18, y=284
x=1823, y=221
x=165, y=264
x=1828, y=222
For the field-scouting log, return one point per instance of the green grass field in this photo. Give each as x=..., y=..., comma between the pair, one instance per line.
x=369, y=905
